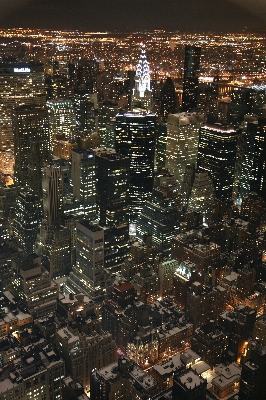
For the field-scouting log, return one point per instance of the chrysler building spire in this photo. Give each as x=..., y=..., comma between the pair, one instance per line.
x=142, y=78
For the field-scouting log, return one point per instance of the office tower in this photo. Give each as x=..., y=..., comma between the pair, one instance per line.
x=245, y=100
x=167, y=98
x=202, y=196
x=62, y=119
x=184, y=275
x=135, y=138
x=160, y=146
x=83, y=179
x=106, y=121
x=87, y=72
x=28, y=215
x=159, y=217
x=251, y=171
x=89, y=275
x=182, y=142
x=52, y=193
x=142, y=95
x=53, y=244
x=217, y=154
x=129, y=85
x=20, y=83
x=146, y=284
x=190, y=80
x=112, y=176
x=31, y=145
x=33, y=287
x=86, y=107
x=188, y=385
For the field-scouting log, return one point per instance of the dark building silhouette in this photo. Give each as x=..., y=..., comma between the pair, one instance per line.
x=167, y=98
x=191, y=81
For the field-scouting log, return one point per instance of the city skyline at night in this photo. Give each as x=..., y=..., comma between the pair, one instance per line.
x=133, y=200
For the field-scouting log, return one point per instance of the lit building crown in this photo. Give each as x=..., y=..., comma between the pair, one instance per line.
x=142, y=78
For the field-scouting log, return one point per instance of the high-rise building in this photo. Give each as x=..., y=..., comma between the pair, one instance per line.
x=191, y=81
x=85, y=106
x=167, y=98
x=182, y=142
x=245, y=100
x=142, y=92
x=89, y=275
x=112, y=175
x=20, y=83
x=202, y=195
x=135, y=138
x=251, y=171
x=217, y=154
x=52, y=193
x=83, y=178
x=159, y=217
x=28, y=214
x=31, y=145
x=62, y=119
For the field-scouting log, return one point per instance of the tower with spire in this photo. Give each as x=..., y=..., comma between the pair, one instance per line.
x=142, y=91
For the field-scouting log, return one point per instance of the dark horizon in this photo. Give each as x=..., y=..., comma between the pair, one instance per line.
x=128, y=15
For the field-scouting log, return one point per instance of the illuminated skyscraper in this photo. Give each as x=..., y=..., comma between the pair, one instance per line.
x=251, y=171
x=182, y=142
x=28, y=214
x=62, y=119
x=20, y=83
x=84, y=181
x=191, y=81
x=112, y=201
x=142, y=91
x=217, y=154
x=245, y=100
x=135, y=138
x=89, y=275
x=31, y=145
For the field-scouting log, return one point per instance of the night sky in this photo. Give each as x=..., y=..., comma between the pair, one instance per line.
x=110, y=15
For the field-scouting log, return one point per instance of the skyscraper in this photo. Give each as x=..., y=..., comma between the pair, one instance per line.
x=182, y=142
x=31, y=145
x=20, y=83
x=84, y=181
x=112, y=174
x=52, y=193
x=62, y=119
x=217, y=154
x=135, y=138
x=253, y=171
x=167, y=98
x=191, y=81
x=28, y=214
x=142, y=92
